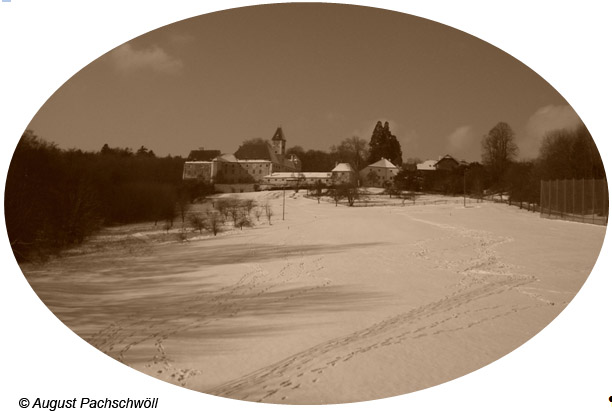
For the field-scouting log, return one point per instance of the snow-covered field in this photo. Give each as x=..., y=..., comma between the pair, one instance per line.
x=334, y=304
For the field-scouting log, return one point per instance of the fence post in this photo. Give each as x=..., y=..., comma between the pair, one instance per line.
x=541, y=196
x=557, y=196
x=564, y=197
x=573, y=198
x=593, y=191
x=549, y=196
x=606, y=200
x=582, y=209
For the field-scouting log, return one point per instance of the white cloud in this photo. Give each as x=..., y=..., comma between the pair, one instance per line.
x=462, y=143
x=180, y=39
x=126, y=59
x=460, y=137
x=544, y=120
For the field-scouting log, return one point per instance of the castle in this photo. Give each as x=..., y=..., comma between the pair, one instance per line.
x=260, y=162
x=249, y=164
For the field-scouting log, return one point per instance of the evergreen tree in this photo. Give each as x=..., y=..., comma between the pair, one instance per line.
x=383, y=144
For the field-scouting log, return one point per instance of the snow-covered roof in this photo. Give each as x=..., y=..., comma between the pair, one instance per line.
x=227, y=157
x=383, y=163
x=448, y=157
x=343, y=167
x=252, y=161
x=299, y=175
x=427, y=165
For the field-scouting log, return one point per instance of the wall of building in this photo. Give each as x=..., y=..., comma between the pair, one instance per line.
x=292, y=181
x=382, y=176
x=446, y=164
x=343, y=177
x=243, y=171
x=201, y=170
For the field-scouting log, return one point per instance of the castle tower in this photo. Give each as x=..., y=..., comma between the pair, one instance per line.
x=278, y=142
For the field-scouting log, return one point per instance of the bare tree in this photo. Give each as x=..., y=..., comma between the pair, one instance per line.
x=235, y=210
x=269, y=212
x=249, y=205
x=353, y=150
x=197, y=222
x=349, y=191
x=318, y=190
x=498, y=150
x=222, y=205
x=214, y=222
x=244, y=220
x=183, y=204
x=257, y=211
x=336, y=194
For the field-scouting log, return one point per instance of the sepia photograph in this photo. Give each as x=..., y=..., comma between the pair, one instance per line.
x=304, y=204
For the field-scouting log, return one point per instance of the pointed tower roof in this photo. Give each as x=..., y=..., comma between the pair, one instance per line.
x=279, y=135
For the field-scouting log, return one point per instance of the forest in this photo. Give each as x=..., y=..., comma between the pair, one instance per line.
x=55, y=198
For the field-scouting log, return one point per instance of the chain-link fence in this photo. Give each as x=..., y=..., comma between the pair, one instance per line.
x=576, y=200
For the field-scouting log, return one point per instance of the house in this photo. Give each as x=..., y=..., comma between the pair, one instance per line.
x=199, y=165
x=343, y=173
x=447, y=163
x=427, y=165
x=297, y=179
x=378, y=174
x=444, y=175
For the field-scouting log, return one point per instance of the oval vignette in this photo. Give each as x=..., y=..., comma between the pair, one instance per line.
x=363, y=246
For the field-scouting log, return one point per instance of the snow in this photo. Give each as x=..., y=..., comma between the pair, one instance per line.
x=333, y=304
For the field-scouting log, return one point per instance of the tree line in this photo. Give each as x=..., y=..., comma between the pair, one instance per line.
x=563, y=154
x=55, y=198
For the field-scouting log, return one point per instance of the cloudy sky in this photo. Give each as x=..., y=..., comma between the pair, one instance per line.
x=323, y=72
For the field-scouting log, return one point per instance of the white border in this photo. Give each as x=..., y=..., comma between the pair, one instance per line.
x=565, y=367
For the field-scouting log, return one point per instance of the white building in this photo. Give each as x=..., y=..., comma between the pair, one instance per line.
x=379, y=173
x=343, y=173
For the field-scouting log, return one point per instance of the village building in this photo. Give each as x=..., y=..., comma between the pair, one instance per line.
x=249, y=164
x=445, y=174
x=343, y=173
x=378, y=174
x=301, y=179
x=261, y=163
x=199, y=164
x=447, y=163
x=427, y=165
